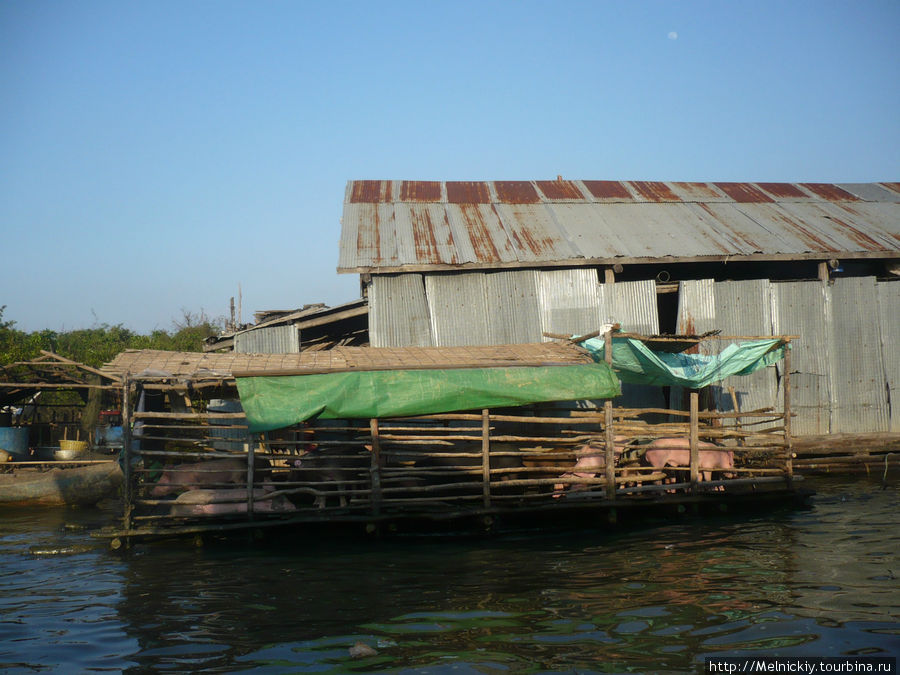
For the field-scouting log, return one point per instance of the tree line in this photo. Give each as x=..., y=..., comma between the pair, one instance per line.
x=100, y=344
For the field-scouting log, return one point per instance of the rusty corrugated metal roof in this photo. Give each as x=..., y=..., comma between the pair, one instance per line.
x=402, y=226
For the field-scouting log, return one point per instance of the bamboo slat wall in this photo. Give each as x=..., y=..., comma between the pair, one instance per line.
x=205, y=468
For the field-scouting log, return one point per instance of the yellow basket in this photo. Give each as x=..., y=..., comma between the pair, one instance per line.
x=75, y=446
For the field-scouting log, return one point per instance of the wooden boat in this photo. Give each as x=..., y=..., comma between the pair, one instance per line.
x=69, y=485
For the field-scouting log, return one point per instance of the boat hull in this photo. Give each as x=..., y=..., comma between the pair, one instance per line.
x=74, y=486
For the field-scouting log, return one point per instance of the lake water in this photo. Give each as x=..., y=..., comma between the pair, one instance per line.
x=822, y=581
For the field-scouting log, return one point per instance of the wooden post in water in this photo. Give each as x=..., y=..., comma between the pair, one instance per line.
x=375, y=469
x=486, y=457
x=695, y=440
x=127, y=492
x=610, y=454
x=248, y=448
x=788, y=438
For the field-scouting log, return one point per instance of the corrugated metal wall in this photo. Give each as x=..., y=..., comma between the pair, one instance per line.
x=696, y=315
x=745, y=308
x=859, y=391
x=696, y=307
x=889, y=310
x=845, y=366
x=270, y=340
x=800, y=308
x=398, y=312
x=569, y=301
x=458, y=309
x=633, y=305
x=512, y=300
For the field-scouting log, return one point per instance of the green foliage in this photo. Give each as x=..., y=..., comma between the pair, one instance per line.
x=95, y=346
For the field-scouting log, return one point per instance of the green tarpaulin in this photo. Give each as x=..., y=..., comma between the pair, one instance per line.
x=280, y=401
x=636, y=364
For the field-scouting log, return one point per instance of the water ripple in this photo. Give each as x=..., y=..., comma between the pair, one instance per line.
x=820, y=582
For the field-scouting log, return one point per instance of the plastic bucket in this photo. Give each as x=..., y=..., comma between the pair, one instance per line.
x=15, y=441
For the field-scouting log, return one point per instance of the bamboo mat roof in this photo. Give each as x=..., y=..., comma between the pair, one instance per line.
x=154, y=363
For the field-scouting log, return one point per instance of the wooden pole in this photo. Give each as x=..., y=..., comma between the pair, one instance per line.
x=737, y=420
x=127, y=493
x=695, y=440
x=607, y=347
x=486, y=457
x=248, y=448
x=375, y=469
x=788, y=440
x=610, y=454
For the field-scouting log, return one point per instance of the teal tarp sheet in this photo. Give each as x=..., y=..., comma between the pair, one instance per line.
x=280, y=401
x=634, y=363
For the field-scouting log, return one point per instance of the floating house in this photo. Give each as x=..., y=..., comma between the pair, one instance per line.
x=492, y=262
x=468, y=439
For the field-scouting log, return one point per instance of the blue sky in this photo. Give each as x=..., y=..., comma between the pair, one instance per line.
x=155, y=155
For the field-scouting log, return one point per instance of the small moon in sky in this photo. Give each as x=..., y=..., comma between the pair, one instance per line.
x=673, y=35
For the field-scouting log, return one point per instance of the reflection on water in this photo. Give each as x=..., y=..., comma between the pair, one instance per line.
x=818, y=582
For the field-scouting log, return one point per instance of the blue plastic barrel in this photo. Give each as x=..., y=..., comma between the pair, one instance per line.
x=15, y=441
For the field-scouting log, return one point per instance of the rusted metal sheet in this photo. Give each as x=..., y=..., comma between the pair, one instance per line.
x=789, y=233
x=398, y=311
x=859, y=390
x=735, y=230
x=431, y=241
x=673, y=228
x=516, y=192
x=879, y=222
x=468, y=192
x=784, y=191
x=889, y=314
x=555, y=190
x=698, y=192
x=696, y=307
x=654, y=191
x=420, y=191
x=477, y=228
x=608, y=191
x=569, y=301
x=370, y=191
x=744, y=193
x=843, y=229
x=829, y=192
x=408, y=225
x=800, y=308
x=533, y=232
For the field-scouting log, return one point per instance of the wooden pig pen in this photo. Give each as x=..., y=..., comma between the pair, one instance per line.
x=412, y=440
